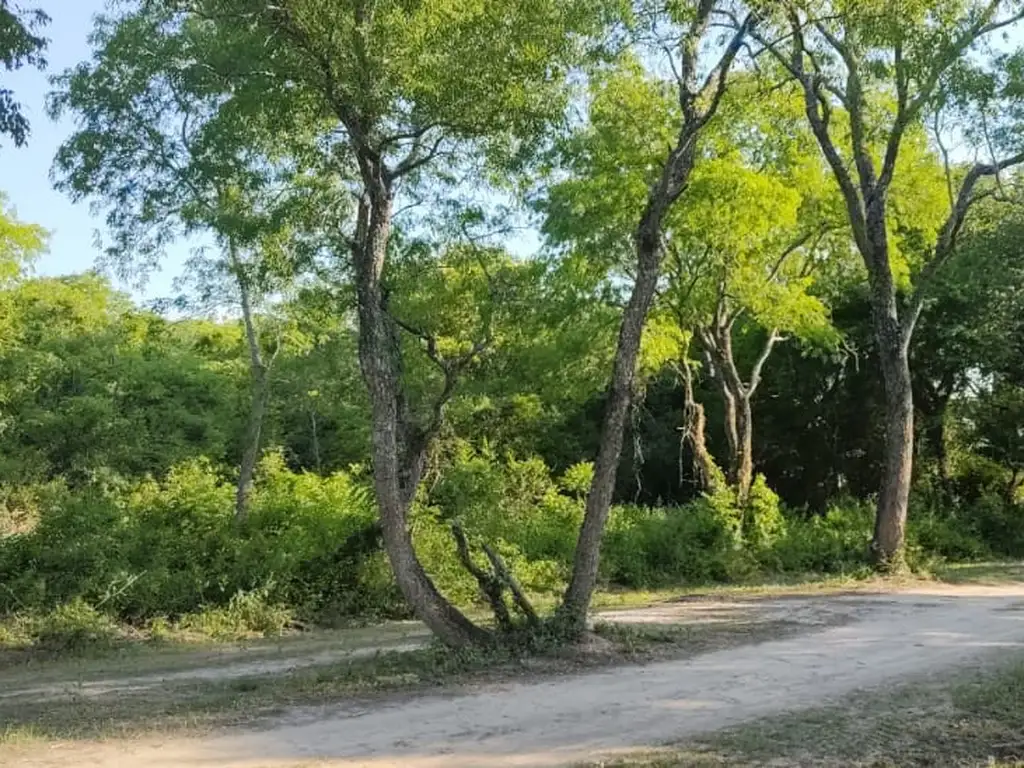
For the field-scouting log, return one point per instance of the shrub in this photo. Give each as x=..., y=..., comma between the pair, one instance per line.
x=246, y=614
x=657, y=547
x=835, y=543
x=73, y=628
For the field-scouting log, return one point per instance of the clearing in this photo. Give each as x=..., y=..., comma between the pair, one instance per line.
x=828, y=646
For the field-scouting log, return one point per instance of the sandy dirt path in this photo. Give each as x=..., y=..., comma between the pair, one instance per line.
x=557, y=722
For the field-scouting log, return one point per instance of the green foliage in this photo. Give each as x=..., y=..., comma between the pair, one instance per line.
x=73, y=627
x=246, y=614
x=20, y=44
x=170, y=548
x=835, y=543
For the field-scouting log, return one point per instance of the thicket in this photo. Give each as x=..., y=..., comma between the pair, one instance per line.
x=159, y=553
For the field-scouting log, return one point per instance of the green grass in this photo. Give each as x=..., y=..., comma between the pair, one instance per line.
x=972, y=719
x=995, y=573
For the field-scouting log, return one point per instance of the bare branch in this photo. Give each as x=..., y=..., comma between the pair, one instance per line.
x=762, y=358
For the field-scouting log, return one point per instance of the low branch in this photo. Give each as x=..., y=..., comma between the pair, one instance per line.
x=502, y=572
x=491, y=586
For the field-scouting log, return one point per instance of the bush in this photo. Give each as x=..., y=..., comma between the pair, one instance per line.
x=246, y=614
x=73, y=628
x=695, y=543
x=171, y=548
x=835, y=543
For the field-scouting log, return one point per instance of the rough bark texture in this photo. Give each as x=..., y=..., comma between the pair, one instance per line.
x=397, y=455
x=695, y=433
x=699, y=100
x=864, y=185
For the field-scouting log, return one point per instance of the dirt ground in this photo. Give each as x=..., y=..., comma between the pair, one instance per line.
x=852, y=642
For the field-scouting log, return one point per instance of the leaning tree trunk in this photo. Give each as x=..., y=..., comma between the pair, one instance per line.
x=397, y=462
x=699, y=103
x=573, y=611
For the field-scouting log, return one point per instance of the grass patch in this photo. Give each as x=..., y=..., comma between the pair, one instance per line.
x=974, y=719
x=993, y=574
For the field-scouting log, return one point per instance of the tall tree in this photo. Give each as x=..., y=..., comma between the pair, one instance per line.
x=680, y=31
x=872, y=73
x=155, y=149
x=397, y=94
x=20, y=44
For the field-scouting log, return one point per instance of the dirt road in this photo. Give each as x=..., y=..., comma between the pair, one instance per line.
x=557, y=722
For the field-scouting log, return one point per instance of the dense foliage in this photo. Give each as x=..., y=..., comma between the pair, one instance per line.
x=771, y=311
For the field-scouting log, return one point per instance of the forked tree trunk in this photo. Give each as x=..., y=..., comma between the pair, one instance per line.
x=397, y=458
x=698, y=103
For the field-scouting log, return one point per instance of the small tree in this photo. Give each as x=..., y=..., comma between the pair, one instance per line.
x=155, y=151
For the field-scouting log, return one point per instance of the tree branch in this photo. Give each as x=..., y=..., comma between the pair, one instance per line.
x=945, y=247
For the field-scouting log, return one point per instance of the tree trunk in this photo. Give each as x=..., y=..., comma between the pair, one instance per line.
x=745, y=459
x=573, y=610
x=894, y=495
x=397, y=461
x=698, y=104
x=260, y=386
x=254, y=433
x=695, y=433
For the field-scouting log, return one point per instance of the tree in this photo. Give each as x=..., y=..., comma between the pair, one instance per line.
x=20, y=44
x=156, y=149
x=872, y=73
x=394, y=94
x=742, y=245
x=680, y=30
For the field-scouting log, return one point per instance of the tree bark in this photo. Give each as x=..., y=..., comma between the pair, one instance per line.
x=573, y=610
x=745, y=461
x=695, y=433
x=699, y=100
x=398, y=456
x=260, y=397
x=893, y=337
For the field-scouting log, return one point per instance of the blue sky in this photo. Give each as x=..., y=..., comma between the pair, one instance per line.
x=25, y=172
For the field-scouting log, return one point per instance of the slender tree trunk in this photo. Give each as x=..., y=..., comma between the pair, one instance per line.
x=397, y=460
x=253, y=440
x=316, y=442
x=745, y=459
x=698, y=104
x=585, y=566
x=731, y=424
x=260, y=388
x=695, y=433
